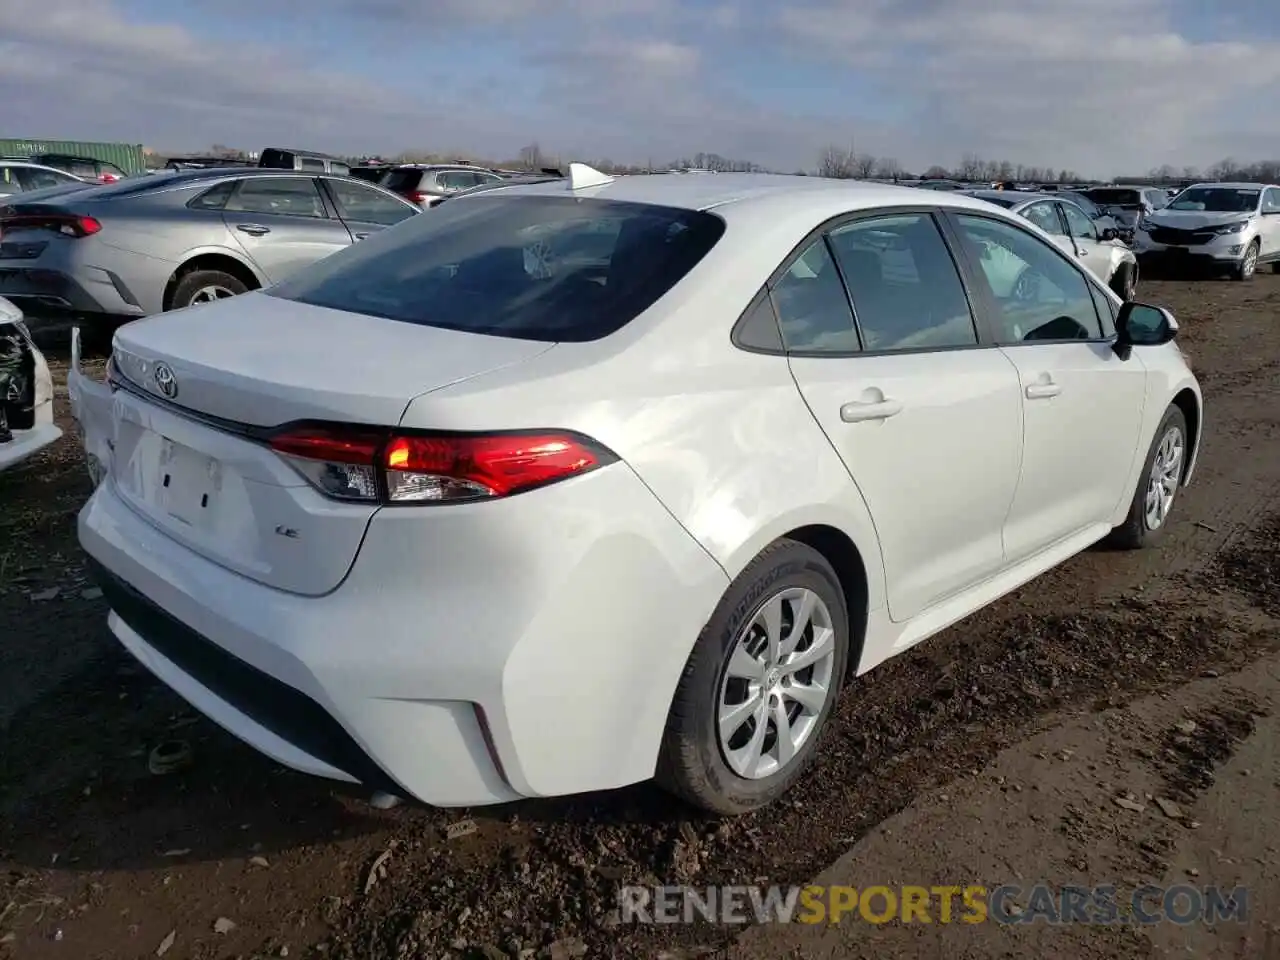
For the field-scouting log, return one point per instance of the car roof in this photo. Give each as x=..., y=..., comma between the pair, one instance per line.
x=1232, y=185
x=313, y=154
x=1019, y=196
x=441, y=166
x=818, y=196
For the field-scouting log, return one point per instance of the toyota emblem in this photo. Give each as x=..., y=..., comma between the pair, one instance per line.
x=166, y=381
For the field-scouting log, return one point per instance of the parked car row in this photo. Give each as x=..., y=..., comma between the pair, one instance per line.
x=1231, y=228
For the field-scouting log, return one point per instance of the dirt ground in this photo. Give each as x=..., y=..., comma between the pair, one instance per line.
x=989, y=753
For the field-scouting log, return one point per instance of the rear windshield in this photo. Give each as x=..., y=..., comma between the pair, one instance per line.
x=529, y=267
x=401, y=181
x=1111, y=197
x=276, y=159
x=1000, y=200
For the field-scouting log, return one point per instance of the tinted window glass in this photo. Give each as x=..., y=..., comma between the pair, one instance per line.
x=1046, y=218
x=9, y=182
x=812, y=306
x=758, y=328
x=1077, y=223
x=1039, y=294
x=1216, y=200
x=277, y=159
x=215, y=198
x=402, y=181
x=358, y=202
x=456, y=179
x=283, y=196
x=311, y=165
x=537, y=268
x=1084, y=203
x=1115, y=197
x=906, y=290
x=34, y=178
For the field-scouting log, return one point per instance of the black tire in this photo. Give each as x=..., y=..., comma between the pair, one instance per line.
x=1124, y=282
x=1275, y=267
x=1241, y=271
x=1136, y=532
x=198, y=280
x=692, y=764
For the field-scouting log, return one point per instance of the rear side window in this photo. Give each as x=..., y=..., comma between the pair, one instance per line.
x=276, y=159
x=282, y=196
x=216, y=197
x=402, y=181
x=530, y=267
x=311, y=165
x=907, y=293
x=9, y=180
x=367, y=205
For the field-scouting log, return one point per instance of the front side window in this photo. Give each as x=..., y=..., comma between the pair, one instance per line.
x=1039, y=294
x=358, y=202
x=282, y=196
x=1271, y=201
x=812, y=305
x=907, y=293
x=530, y=267
x=1044, y=216
x=1078, y=225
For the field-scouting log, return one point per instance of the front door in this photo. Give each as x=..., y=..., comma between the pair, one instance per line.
x=282, y=224
x=1091, y=251
x=927, y=422
x=1082, y=404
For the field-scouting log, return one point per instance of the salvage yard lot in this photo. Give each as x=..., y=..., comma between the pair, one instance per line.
x=235, y=857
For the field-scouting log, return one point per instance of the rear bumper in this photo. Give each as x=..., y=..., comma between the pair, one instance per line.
x=535, y=655
x=46, y=293
x=27, y=443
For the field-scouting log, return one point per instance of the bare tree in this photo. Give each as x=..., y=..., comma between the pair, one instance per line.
x=972, y=167
x=835, y=162
x=888, y=168
x=863, y=165
x=936, y=173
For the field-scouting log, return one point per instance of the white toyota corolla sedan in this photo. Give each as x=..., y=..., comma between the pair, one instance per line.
x=571, y=485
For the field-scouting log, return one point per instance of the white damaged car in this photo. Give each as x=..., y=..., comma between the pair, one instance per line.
x=26, y=392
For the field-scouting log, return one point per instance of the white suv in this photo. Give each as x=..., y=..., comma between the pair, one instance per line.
x=1227, y=226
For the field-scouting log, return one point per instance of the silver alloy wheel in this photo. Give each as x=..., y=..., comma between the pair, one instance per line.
x=1166, y=474
x=778, y=678
x=1250, y=261
x=211, y=293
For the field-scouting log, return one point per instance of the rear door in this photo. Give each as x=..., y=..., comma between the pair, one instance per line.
x=1082, y=404
x=365, y=210
x=924, y=416
x=283, y=223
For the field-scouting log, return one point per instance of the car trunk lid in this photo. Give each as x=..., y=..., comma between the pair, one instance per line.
x=200, y=389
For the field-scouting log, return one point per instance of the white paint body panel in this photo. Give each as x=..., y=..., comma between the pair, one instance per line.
x=567, y=614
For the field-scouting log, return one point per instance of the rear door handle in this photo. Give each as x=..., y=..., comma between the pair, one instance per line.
x=1042, y=391
x=876, y=410
x=253, y=229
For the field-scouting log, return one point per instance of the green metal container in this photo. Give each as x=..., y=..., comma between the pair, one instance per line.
x=127, y=156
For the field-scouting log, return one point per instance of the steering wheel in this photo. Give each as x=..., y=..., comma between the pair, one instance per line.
x=1027, y=287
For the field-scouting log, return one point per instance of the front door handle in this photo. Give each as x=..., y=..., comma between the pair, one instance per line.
x=1081, y=252
x=361, y=236
x=875, y=410
x=253, y=229
x=1042, y=391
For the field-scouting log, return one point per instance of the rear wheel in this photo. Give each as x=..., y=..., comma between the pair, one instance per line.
x=759, y=685
x=1158, y=487
x=1248, y=265
x=1275, y=267
x=206, y=286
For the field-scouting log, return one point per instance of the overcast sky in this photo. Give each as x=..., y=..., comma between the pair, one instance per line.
x=1098, y=86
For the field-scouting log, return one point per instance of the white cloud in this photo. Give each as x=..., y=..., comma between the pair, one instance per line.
x=1097, y=85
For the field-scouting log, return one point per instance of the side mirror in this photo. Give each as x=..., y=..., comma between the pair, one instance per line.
x=1143, y=325
x=1109, y=233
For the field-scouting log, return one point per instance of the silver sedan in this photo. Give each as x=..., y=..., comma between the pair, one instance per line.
x=150, y=244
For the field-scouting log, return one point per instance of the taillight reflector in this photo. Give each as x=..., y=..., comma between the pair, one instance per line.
x=396, y=468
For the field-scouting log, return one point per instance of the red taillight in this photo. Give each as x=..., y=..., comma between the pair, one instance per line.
x=108, y=178
x=434, y=468
x=69, y=225
x=417, y=196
